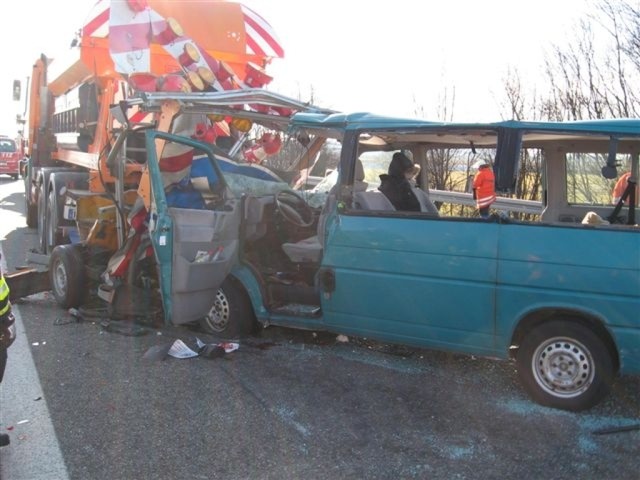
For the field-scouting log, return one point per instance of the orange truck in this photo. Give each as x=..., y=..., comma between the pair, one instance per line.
x=123, y=49
x=155, y=91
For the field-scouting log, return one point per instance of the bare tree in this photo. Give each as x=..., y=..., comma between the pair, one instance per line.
x=441, y=163
x=591, y=79
x=521, y=105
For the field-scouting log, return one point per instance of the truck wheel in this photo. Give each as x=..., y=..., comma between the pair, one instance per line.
x=54, y=236
x=32, y=214
x=67, y=276
x=31, y=210
x=563, y=364
x=42, y=219
x=231, y=315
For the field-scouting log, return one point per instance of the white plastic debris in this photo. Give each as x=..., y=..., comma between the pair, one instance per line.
x=179, y=349
x=342, y=338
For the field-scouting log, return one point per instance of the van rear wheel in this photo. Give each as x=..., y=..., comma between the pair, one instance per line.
x=563, y=364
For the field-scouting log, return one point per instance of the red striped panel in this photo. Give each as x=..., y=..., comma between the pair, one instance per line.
x=266, y=36
x=175, y=163
x=96, y=23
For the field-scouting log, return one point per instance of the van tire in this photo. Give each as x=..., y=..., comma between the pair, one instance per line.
x=563, y=364
x=231, y=315
x=67, y=275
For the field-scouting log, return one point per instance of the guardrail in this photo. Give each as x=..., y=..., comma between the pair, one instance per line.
x=501, y=203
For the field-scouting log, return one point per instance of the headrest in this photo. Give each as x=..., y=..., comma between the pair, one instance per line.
x=359, y=173
x=359, y=185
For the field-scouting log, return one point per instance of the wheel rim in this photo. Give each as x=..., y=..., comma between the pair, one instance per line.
x=563, y=367
x=60, y=280
x=218, y=316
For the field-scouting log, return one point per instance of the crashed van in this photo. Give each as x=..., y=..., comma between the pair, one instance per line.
x=235, y=246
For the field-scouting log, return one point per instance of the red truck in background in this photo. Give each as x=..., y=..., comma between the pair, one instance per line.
x=11, y=153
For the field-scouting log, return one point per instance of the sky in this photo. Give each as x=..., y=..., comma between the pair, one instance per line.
x=395, y=58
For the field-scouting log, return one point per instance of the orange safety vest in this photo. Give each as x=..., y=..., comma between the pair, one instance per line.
x=620, y=187
x=5, y=305
x=484, y=185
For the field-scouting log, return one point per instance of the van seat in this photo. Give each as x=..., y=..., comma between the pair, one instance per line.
x=372, y=200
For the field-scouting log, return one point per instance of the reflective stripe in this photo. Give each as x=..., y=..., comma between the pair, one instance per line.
x=485, y=201
x=5, y=306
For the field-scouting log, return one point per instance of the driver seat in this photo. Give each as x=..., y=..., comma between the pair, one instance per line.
x=310, y=249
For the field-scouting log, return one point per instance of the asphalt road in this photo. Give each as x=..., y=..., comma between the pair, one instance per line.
x=285, y=405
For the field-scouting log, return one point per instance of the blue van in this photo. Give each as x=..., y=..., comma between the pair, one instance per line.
x=553, y=284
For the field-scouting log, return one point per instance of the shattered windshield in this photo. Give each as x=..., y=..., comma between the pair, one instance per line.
x=245, y=185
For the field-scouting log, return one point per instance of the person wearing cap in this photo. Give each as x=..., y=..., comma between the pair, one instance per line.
x=397, y=183
x=484, y=192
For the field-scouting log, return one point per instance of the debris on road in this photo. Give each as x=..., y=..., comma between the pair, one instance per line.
x=179, y=349
x=123, y=327
x=26, y=282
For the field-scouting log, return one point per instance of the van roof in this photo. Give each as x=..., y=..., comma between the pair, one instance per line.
x=370, y=121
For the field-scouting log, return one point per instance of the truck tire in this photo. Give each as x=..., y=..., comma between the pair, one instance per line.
x=67, y=275
x=54, y=234
x=564, y=364
x=32, y=214
x=42, y=219
x=231, y=315
x=31, y=209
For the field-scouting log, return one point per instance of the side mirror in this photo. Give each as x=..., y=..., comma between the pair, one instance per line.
x=17, y=90
x=610, y=170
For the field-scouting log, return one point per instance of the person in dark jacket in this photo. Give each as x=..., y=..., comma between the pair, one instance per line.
x=397, y=183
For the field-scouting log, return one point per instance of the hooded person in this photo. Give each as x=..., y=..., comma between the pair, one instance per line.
x=484, y=192
x=397, y=183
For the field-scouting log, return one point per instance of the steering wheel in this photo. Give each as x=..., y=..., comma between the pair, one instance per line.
x=294, y=209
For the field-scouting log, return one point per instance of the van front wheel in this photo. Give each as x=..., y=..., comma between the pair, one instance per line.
x=231, y=315
x=563, y=364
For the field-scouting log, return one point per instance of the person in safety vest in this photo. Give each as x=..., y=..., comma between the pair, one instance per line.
x=484, y=192
x=620, y=187
x=7, y=335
